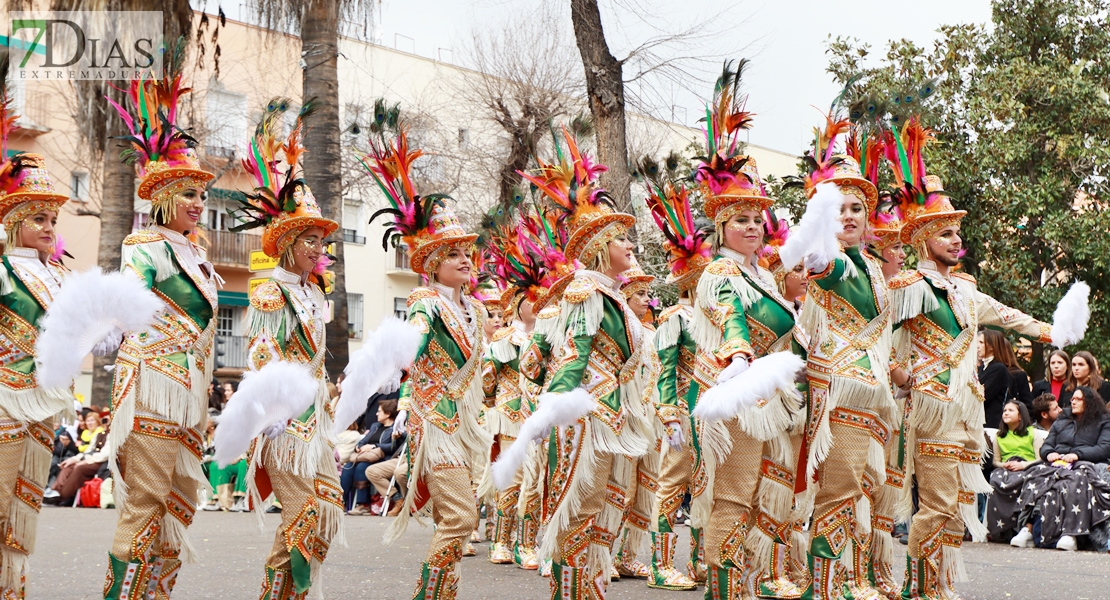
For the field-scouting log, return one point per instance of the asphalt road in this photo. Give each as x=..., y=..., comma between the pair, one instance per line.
x=71, y=558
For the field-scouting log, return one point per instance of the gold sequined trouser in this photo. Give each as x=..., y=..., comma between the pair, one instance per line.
x=735, y=482
x=675, y=481
x=147, y=547
x=937, y=529
x=640, y=499
x=778, y=516
x=452, y=500
x=310, y=513
x=580, y=567
x=25, y=451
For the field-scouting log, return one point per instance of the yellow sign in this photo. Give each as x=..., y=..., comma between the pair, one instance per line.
x=261, y=262
x=254, y=283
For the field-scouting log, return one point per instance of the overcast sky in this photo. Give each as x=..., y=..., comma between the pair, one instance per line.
x=785, y=41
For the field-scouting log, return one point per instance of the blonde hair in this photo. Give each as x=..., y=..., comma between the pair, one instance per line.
x=600, y=260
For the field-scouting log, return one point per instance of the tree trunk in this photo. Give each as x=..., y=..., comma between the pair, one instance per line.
x=117, y=213
x=323, y=172
x=605, y=90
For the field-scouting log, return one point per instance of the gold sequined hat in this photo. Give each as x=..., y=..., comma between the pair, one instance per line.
x=281, y=203
x=635, y=279
x=425, y=225
x=164, y=155
x=571, y=186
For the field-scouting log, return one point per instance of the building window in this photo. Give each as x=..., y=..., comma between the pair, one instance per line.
x=400, y=308
x=79, y=185
x=354, y=316
x=401, y=258
x=226, y=123
x=225, y=321
x=464, y=139
x=218, y=220
x=352, y=236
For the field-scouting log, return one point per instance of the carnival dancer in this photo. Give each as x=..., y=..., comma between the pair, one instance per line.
x=441, y=400
x=644, y=481
x=847, y=317
x=30, y=278
x=159, y=404
x=739, y=317
x=886, y=243
x=501, y=377
x=293, y=458
x=689, y=251
x=543, y=239
x=488, y=291
x=784, y=572
x=593, y=397
x=940, y=311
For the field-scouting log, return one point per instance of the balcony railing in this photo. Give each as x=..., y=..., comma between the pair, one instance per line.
x=228, y=249
x=234, y=348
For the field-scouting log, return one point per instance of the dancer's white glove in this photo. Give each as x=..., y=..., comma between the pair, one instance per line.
x=392, y=385
x=675, y=438
x=738, y=366
x=273, y=431
x=109, y=344
x=816, y=262
x=399, y=423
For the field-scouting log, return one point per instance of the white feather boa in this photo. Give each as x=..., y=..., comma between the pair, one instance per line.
x=390, y=349
x=1069, y=322
x=765, y=377
x=276, y=393
x=556, y=410
x=816, y=232
x=90, y=306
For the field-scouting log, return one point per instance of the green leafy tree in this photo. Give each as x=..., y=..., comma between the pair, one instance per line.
x=1021, y=112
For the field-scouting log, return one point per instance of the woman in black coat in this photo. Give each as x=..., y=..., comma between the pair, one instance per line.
x=1081, y=434
x=1056, y=374
x=993, y=375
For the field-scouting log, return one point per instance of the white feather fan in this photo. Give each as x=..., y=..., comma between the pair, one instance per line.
x=90, y=305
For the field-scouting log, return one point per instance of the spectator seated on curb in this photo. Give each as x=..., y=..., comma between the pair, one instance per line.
x=1071, y=488
x=76, y=470
x=1015, y=447
x=377, y=446
x=1045, y=410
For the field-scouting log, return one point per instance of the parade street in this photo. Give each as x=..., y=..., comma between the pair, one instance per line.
x=232, y=552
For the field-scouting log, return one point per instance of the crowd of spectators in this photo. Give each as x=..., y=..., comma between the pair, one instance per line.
x=1050, y=445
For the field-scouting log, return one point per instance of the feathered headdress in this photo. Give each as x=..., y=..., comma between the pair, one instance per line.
x=728, y=179
x=688, y=247
x=527, y=251
x=825, y=163
x=25, y=186
x=423, y=224
x=281, y=201
x=570, y=184
x=164, y=156
x=920, y=195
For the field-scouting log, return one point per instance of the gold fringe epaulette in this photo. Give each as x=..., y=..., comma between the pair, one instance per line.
x=419, y=294
x=503, y=333
x=579, y=290
x=904, y=279
x=724, y=268
x=668, y=313
x=966, y=277
x=145, y=236
x=268, y=297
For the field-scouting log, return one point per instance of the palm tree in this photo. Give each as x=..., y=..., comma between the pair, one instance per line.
x=318, y=23
x=99, y=125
